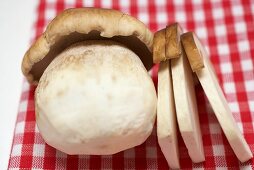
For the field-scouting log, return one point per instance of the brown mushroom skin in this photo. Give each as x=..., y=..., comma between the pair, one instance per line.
x=80, y=24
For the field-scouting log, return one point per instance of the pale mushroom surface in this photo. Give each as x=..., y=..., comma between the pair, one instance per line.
x=96, y=97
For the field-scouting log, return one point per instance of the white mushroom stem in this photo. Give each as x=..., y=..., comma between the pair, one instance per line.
x=186, y=107
x=166, y=116
x=213, y=91
x=222, y=111
x=95, y=98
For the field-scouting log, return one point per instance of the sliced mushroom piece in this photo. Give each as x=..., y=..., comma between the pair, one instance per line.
x=193, y=52
x=186, y=107
x=173, y=46
x=159, y=46
x=213, y=91
x=173, y=42
x=166, y=116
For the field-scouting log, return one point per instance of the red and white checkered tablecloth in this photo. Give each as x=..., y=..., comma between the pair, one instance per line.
x=227, y=30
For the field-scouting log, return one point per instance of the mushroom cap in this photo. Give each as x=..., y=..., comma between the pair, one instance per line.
x=76, y=25
x=96, y=97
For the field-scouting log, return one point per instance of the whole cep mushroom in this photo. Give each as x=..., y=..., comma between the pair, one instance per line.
x=94, y=94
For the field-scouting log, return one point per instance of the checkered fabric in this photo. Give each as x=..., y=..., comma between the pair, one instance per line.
x=227, y=30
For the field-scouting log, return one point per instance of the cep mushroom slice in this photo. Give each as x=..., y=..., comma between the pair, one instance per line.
x=159, y=46
x=193, y=52
x=186, y=107
x=210, y=84
x=76, y=25
x=173, y=43
x=166, y=118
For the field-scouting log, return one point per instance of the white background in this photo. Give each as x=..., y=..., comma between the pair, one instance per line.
x=16, y=21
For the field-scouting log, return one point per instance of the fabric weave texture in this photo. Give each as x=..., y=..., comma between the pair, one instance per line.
x=226, y=28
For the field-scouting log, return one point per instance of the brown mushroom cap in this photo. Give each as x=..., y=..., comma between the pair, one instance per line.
x=75, y=25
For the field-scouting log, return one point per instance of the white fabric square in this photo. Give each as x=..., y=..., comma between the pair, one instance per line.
x=50, y=13
x=216, y=1
x=237, y=10
x=243, y=45
x=124, y=3
x=142, y=3
x=226, y=67
x=201, y=32
x=229, y=87
x=240, y=27
x=70, y=2
x=218, y=150
x=16, y=150
x=218, y=13
x=197, y=2
x=23, y=106
x=180, y=16
x=247, y=65
x=106, y=3
x=249, y=85
x=143, y=17
x=38, y=150
x=223, y=49
x=162, y=17
x=26, y=84
x=234, y=106
x=51, y=1
x=89, y=3
x=220, y=30
x=199, y=15
x=160, y=2
x=251, y=106
x=20, y=126
x=178, y=2
x=252, y=8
